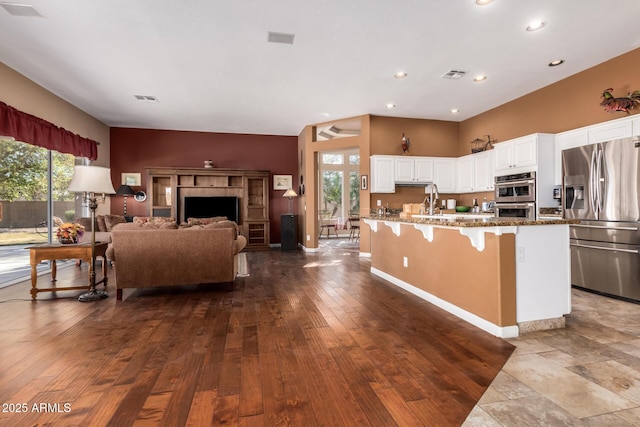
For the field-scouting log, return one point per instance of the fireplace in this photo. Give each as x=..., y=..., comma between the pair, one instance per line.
x=210, y=206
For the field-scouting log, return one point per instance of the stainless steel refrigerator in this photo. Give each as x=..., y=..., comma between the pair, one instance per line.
x=601, y=188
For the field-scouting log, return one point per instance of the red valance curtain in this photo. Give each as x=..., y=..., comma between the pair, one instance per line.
x=35, y=131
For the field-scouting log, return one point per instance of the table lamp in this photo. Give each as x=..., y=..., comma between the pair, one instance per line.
x=290, y=194
x=125, y=190
x=92, y=181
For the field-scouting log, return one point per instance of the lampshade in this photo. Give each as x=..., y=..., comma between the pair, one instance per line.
x=290, y=193
x=91, y=179
x=125, y=190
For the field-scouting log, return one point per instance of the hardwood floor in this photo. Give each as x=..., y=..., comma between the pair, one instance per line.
x=305, y=340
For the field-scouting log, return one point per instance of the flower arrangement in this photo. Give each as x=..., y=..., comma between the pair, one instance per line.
x=70, y=233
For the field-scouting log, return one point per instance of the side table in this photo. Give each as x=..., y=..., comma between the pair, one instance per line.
x=58, y=251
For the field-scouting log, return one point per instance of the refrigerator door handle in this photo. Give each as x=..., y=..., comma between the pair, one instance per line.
x=592, y=179
x=629, y=251
x=605, y=227
x=601, y=183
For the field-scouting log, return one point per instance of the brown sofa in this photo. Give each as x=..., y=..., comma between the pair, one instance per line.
x=145, y=257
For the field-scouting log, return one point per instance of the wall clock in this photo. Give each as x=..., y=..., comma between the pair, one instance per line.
x=140, y=196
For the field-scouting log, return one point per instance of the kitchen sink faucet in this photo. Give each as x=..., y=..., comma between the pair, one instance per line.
x=432, y=195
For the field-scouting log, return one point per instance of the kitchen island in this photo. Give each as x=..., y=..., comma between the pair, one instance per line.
x=505, y=276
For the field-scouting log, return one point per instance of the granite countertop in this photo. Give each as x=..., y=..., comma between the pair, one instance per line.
x=467, y=220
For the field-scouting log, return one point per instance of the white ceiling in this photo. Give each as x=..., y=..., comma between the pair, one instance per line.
x=209, y=64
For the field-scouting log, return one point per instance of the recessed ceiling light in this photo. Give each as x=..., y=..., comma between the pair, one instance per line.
x=455, y=110
x=556, y=62
x=400, y=75
x=390, y=106
x=479, y=78
x=536, y=25
x=483, y=2
x=325, y=114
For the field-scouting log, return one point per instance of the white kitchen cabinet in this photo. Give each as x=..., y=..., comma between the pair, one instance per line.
x=475, y=173
x=382, y=174
x=466, y=174
x=609, y=131
x=413, y=170
x=636, y=126
x=444, y=171
x=483, y=171
x=516, y=155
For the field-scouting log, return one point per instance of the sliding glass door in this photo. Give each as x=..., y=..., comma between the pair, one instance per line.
x=33, y=201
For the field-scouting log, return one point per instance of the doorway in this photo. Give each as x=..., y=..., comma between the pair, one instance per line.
x=339, y=194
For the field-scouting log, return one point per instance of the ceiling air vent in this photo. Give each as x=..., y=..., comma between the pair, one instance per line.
x=280, y=37
x=18, y=9
x=453, y=74
x=146, y=98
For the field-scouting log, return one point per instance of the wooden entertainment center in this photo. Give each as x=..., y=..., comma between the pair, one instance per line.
x=168, y=187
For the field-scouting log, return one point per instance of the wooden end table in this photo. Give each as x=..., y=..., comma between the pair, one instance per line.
x=58, y=251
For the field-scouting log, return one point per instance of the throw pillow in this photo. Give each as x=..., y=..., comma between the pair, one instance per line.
x=112, y=220
x=157, y=220
x=102, y=225
x=169, y=226
x=206, y=221
x=225, y=224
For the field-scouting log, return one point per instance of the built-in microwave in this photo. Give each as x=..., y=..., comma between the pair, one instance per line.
x=515, y=188
x=516, y=210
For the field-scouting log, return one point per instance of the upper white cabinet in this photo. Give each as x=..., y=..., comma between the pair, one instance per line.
x=413, y=170
x=466, y=171
x=475, y=172
x=382, y=173
x=609, y=131
x=483, y=171
x=444, y=170
x=516, y=155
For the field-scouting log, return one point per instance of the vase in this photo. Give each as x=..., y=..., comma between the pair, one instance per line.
x=68, y=240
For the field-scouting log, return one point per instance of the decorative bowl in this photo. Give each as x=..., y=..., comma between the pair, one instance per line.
x=462, y=208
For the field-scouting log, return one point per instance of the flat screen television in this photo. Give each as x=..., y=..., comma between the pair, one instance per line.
x=210, y=206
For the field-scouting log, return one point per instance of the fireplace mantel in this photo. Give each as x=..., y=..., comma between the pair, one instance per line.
x=168, y=187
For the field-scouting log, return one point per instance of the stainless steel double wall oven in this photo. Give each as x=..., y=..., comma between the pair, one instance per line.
x=516, y=195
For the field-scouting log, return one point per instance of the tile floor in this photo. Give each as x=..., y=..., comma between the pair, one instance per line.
x=587, y=374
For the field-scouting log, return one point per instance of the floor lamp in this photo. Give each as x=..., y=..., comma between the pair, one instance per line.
x=92, y=181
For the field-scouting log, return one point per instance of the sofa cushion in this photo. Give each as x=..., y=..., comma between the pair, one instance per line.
x=113, y=220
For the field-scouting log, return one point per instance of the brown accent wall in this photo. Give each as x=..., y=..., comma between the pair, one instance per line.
x=568, y=104
x=133, y=150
